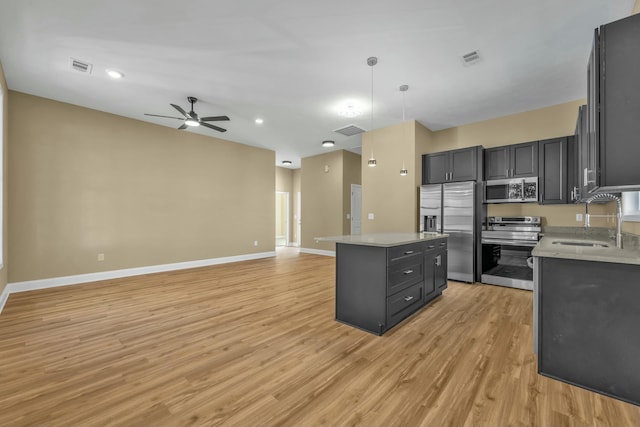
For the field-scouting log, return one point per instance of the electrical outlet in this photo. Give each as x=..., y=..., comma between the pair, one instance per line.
x=370, y=216
x=579, y=217
x=255, y=243
x=100, y=257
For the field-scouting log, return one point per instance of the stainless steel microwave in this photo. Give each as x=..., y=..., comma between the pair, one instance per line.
x=513, y=190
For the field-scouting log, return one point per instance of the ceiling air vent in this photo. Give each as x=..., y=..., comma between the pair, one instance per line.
x=471, y=58
x=349, y=130
x=83, y=67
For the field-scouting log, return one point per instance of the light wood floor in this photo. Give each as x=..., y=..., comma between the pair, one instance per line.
x=255, y=343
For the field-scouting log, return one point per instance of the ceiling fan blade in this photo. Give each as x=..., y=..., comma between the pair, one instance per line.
x=183, y=127
x=166, y=117
x=179, y=108
x=207, y=125
x=214, y=118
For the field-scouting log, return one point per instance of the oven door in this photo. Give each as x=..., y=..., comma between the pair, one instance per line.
x=504, y=262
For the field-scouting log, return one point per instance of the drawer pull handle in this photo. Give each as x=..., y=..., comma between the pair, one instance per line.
x=431, y=246
x=407, y=272
x=442, y=244
x=409, y=298
x=408, y=252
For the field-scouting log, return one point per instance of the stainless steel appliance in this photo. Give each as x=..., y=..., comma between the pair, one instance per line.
x=506, y=250
x=454, y=208
x=514, y=190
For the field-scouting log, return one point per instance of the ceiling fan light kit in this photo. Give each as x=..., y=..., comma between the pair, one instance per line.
x=191, y=119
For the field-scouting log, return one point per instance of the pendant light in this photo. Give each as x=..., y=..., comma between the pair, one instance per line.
x=371, y=61
x=403, y=89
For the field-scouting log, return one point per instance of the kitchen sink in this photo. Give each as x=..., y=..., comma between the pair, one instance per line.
x=583, y=244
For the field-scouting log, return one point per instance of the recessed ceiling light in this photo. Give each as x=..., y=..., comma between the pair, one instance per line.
x=115, y=74
x=259, y=121
x=328, y=143
x=349, y=110
x=287, y=162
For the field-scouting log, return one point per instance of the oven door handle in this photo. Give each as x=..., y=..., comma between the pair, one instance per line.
x=508, y=242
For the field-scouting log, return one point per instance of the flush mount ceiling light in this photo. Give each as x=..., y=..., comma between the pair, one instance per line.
x=114, y=74
x=192, y=122
x=287, y=162
x=371, y=61
x=259, y=121
x=350, y=111
x=328, y=143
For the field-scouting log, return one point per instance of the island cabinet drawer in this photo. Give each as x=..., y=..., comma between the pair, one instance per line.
x=401, y=253
x=401, y=275
x=433, y=245
x=404, y=303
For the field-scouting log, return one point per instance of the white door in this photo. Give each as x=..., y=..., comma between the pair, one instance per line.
x=356, y=209
x=282, y=218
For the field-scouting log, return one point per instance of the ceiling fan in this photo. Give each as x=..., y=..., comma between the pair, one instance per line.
x=192, y=119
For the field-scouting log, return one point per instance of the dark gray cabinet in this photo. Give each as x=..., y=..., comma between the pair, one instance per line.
x=435, y=269
x=581, y=156
x=378, y=287
x=588, y=325
x=613, y=101
x=511, y=161
x=464, y=164
x=553, y=168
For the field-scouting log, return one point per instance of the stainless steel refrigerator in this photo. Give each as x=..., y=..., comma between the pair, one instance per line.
x=455, y=209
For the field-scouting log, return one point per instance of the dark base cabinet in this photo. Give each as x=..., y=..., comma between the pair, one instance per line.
x=589, y=332
x=378, y=287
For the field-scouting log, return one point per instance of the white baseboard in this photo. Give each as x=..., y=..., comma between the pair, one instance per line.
x=317, y=252
x=4, y=296
x=32, y=285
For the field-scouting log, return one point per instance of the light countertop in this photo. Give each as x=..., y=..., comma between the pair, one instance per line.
x=546, y=248
x=382, y=239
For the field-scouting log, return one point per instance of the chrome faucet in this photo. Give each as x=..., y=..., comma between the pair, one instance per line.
x=603, y=197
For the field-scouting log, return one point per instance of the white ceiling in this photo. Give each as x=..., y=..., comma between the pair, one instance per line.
x=295, y=62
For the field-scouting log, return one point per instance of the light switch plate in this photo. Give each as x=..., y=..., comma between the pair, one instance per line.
x=369, y=216
x=579, y=217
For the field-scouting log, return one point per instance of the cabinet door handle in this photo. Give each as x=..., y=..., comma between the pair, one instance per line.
x=407, y=272
x=408, y=252
x=409, y=298
x=507, y=173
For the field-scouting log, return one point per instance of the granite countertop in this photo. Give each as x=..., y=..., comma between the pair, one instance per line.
x=382, y=239
x=546, y=248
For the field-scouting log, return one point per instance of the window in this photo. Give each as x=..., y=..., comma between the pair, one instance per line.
x=631, y=206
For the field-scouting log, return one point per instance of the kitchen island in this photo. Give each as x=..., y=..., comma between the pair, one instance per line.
x=586, y=316
x=383, y=278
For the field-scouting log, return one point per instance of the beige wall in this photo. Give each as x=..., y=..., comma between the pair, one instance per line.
x=351, y=174
x=284, y=183
x=83, y=182
x=321, y=187
x=5, y=188
x=391, y=198
x=636, y=7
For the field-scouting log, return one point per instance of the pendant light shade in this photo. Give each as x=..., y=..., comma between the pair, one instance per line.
x=403, y=89
x=371, y=61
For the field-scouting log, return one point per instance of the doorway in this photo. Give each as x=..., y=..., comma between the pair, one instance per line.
x=282, y=218
x=356, y=209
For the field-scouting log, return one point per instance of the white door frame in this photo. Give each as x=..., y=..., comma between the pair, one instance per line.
x=299, y=222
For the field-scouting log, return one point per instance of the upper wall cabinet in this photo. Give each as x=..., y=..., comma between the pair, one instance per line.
x=614, y=108
x=464, y=164
x=556, y=170
x=511, y=161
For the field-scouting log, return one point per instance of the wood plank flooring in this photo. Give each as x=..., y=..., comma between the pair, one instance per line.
x=255, y=344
